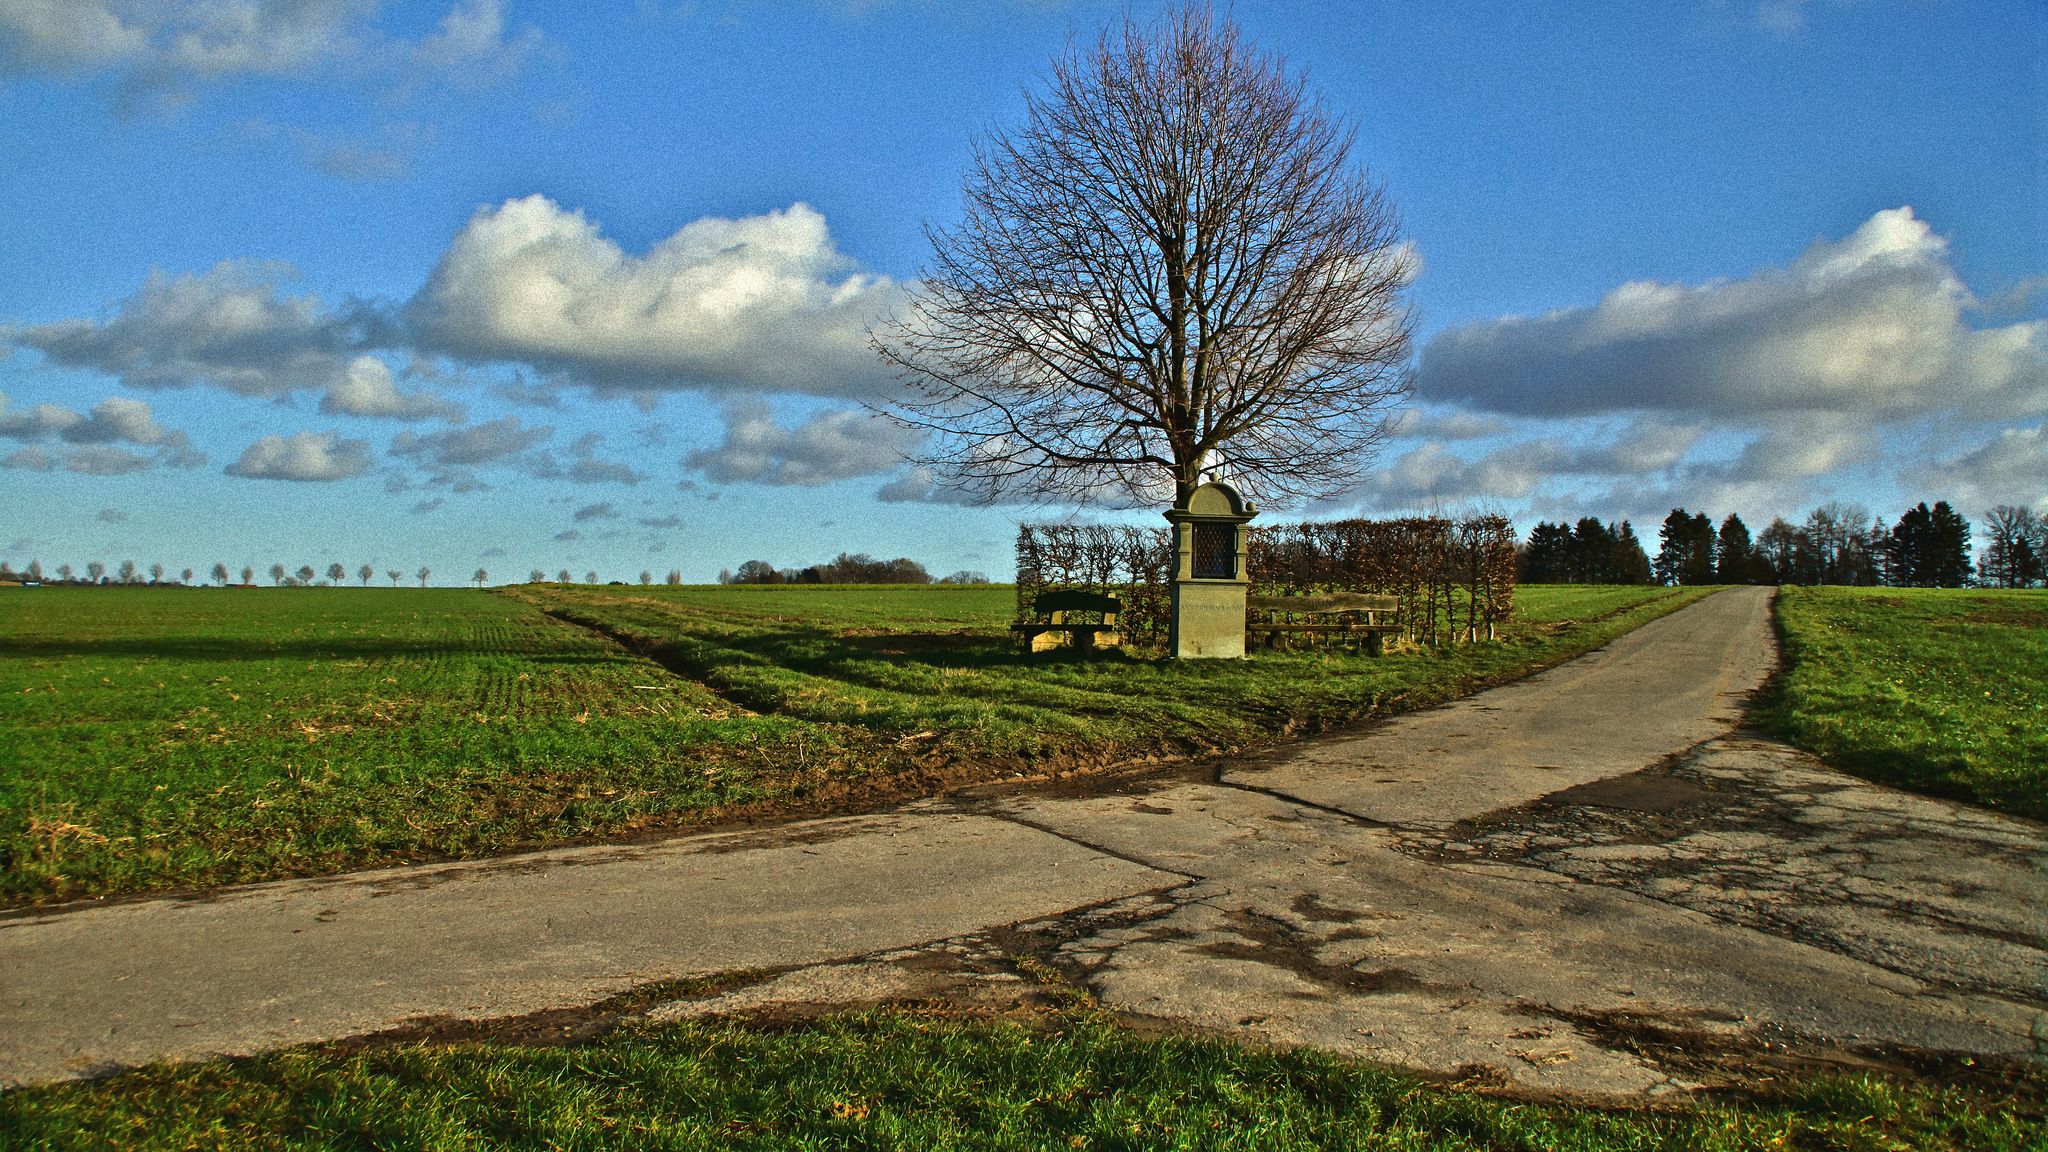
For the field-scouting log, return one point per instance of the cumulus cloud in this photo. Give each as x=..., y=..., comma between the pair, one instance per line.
x=585, y=466
x=468, y=446
x=762, y=303
x=165, y=46
x=309, y=456
x=1431, y=475
x=106, y=460
x=1445, y=424
x=2010, y=468
x=113, y=421
x=568, y=535
x=830, y=446
x=919, y=486
x=230, y=327
x=1870, y=324
x=602, y=510
x=34, y=458
x=366, y=388
x=35, y=423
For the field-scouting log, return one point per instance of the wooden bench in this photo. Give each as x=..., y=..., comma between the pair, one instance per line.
x=1368, y=617
x=1051, y=627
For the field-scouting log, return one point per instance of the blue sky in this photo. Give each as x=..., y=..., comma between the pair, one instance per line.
x=464, y=283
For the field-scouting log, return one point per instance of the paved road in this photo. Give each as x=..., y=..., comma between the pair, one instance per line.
x=1516, y=887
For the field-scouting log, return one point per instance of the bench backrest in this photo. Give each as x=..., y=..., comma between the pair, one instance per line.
x=1074, y=600
x=1327, y=602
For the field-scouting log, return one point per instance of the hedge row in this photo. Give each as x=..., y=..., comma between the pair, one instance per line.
x=1454, y=577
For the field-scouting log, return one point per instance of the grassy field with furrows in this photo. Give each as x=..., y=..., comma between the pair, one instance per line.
x=1937, y=690
x=177, y=737
x=888, y=1080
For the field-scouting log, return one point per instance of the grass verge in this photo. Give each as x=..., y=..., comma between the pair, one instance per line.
x=895, y=1080
x=1937, y=690
x=169, y=738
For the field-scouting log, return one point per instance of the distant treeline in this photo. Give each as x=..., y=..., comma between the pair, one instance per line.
x=1836, y=544
x=845, y=568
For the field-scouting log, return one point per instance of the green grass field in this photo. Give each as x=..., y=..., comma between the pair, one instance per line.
x=162, y=738
x=1940, y=691
x=901, y=1081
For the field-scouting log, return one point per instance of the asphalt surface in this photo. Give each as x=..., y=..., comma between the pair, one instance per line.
x=1588, y=882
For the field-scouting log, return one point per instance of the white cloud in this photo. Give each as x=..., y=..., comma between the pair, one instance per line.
x=1443, y=424
x=106, y=460
x=229, y=327
x=763, y=303
x=1431, y=476
x=1871, y=324
x=830, y=446
x=2010, y=468
x=168, y=45
x=37, y=422
x=585, y=466
x=465, y=447
x=919, y=486
x=307, y=456
x=34, y=458
x=115, y=420
x=366, y=388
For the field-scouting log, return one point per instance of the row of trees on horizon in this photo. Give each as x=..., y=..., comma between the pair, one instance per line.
x=1835, y=544
x=846, y=568
x=128, y=573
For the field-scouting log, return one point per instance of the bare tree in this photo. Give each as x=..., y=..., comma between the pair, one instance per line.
x=1173, y=266
x=2010, y=546
x=185, y=577
x=564, y=577
x=306, y=574
x=95, y=571
x=127, y=571
x=424, y=572
x=277, y=574
x=480, y=576
x=156, y=573
x=366, y=571
x=646, y=577
x=395, y=574
x=64, y=572
x=220, y=572
x=536, y=577
x=590, y=577
x=336, y=572
x=249, y=575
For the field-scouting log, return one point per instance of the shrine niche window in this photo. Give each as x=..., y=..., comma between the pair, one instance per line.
x=1215, y=547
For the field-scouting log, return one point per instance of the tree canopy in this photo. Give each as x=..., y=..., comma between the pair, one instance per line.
x=1172, y=266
